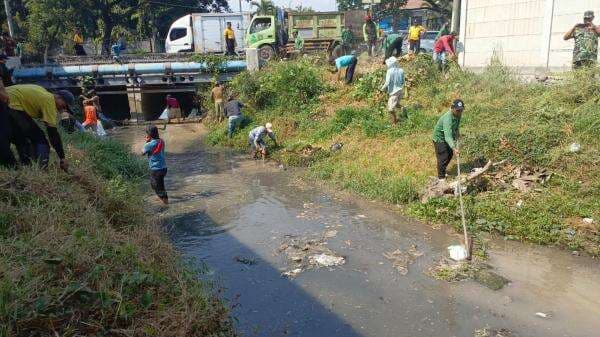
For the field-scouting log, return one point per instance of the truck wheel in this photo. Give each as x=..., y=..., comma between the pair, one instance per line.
x=266, y=53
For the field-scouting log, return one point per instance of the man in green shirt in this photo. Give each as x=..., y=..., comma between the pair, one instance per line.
x=445, y=135
x=585, y=51
x=392, y=45
x=298, y=41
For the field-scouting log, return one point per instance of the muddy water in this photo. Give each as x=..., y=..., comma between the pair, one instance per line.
x=227, y=208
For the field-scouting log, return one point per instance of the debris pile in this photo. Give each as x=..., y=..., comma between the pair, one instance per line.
x=402, y=259
x=487, y=332
x=451, y=271
x=308, y=253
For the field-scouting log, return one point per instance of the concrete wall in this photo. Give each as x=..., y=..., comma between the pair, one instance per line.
x=525, y=34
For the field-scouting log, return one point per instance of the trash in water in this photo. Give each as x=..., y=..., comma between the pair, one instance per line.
x=542, y=314
x=331, y=234
x=245, y=260
x=575, y=147
x=458, y=253
x=325, y=260
x=401, y=260
x=487, y=332
x=292, y=273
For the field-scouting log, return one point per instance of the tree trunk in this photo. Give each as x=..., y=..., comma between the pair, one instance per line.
x=9, y=18
x=106, y=31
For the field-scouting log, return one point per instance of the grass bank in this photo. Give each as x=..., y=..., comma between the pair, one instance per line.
x=531, y=125
x=79, y=256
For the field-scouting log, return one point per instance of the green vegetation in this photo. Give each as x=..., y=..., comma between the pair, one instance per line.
x=528, y=124
x=80, y=256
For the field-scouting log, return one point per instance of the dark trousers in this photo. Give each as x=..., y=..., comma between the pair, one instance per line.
x=444, y=154
x=394, y=49
x=7, y=157
x=157, y=181
x=29, y=139
x=350, y=70
x=230, y=47
x=79, y=51
x=415, y=46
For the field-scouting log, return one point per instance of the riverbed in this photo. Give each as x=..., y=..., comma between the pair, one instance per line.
x=230, y=215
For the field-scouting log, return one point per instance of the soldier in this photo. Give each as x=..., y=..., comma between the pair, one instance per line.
x=585, y=52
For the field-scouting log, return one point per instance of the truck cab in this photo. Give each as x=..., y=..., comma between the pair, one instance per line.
x=180, y=37
x=263, y=35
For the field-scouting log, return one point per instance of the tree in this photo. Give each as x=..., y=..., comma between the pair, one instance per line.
x=263, y=7
x=47, y=23
x=389, y=8
x=345, y=5
x=443, y=7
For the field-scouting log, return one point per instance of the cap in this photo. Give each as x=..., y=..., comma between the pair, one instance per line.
x=269, y=127
x=458, y=104
x=588, y=15
x=68, y=97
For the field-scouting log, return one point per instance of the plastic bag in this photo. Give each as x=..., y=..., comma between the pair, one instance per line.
x=100, y=129
x=165, y=114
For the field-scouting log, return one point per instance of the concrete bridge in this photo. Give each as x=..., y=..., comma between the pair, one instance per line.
x=132, y=89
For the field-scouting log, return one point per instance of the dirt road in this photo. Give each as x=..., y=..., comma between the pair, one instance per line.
x=232, y=215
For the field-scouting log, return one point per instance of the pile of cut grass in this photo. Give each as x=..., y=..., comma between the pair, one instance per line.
x=530, y=124
x=79, y=256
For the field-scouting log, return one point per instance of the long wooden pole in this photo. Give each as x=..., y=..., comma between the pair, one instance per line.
x=9, y=18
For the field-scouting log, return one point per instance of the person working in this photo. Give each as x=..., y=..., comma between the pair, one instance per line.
x=394, y=85
x=154, y=149
x=585, y=52
x=217, y=95
x=28, y=102
x=233, y=111
x=442, y=49
x=230, y=40
x=174, y=110
x=349, y=62
x=445, y=136
x=256, y=139
x=371, y=35
x=392, y=45
x=298, y=42
x=414, y=36
x=78, y=40
x=90, y=116
x=347, y=39
x=7, y=158
x=118, y=47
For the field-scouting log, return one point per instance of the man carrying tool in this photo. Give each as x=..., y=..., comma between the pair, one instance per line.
x=444, y=48
x=445, y=136
x=585, y=53
x=414, y=36
x=230, y=40
x=256, y=139
x=394, y=86
x=29, y=102
x=371, y=35
x=392, y=45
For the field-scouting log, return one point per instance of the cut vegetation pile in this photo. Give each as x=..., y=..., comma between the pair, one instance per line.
x=80, y=257
x=529, y=125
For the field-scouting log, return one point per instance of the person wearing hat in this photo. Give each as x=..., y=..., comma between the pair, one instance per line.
x=233, y=112
x=256, y=139
x=28, y=102
x=348, y=62
x=445, y=136
x=394, y=86
x=371, y=35
x=154, y=149
x=585, y=52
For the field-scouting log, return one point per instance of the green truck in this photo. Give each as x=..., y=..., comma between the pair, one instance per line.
x=271, y=34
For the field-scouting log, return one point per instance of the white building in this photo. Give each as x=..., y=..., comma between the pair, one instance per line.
x=524, y=34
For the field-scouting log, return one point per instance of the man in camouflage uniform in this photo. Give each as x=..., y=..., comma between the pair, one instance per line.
x=585, y=52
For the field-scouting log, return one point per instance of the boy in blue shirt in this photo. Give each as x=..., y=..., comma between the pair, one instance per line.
x=349, y=62
x=155, y=150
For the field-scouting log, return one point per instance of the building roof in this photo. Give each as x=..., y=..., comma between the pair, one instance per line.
x=414, y=4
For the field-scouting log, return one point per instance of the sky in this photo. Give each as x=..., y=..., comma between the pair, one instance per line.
x=318, y=5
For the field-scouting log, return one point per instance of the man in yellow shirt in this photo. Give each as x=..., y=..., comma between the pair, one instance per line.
x=414, y=36
x=78, y=40
x=230, y=40
x=26, y=103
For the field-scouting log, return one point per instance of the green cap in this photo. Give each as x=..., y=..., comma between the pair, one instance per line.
x=588, y=15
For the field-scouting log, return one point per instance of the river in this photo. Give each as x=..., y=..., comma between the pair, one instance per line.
x=229, y=215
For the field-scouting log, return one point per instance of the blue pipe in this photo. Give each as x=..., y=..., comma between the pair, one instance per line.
x=121, y=69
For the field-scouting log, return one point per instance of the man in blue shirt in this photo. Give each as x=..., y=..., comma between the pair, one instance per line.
x=155, y=150
x=256, y=139
x=394, y=85
x=349, y=62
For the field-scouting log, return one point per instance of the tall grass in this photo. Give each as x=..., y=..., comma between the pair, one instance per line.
x=529, y=124
x=79, y=256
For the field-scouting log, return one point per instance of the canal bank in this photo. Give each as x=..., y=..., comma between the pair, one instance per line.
x=232, y=215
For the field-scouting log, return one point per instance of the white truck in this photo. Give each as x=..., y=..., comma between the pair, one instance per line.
x=205, y=32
